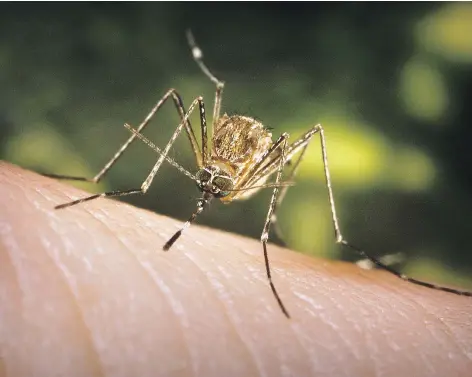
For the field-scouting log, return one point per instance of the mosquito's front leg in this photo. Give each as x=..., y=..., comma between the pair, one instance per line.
x=171, y=93
x=147, y=182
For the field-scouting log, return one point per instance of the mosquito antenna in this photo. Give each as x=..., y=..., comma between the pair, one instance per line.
x=200, y=207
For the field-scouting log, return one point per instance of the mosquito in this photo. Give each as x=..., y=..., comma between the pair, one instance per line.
x=239, y=162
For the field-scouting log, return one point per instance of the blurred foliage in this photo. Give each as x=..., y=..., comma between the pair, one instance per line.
x=390, y=83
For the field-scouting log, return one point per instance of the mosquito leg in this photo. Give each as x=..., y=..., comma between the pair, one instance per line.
x=203, y=125
x=282, y=141
x=69, y=177
x=200, y=207
x=341, y=240
x=389, y=260
x=217, y=107
x=147, y=182
x=171, y=93
x=102, y=195
x=261, y=169
x=197, y=55
x=283, y=192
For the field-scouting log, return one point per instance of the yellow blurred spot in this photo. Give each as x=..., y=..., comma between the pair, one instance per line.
x=359, y=157
x=448, y=32
x=356, y=155
x=411, y=170
x=43, y=148
x=423, y=90
x=310, y=229
x=36, y=146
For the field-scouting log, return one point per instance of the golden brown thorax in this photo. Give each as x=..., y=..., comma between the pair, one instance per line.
x=238, y=143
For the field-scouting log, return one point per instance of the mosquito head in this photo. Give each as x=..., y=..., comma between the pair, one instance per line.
x=215, y=180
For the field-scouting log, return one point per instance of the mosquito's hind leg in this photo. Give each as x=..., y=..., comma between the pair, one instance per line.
x=197, y=55
x=340, y=239
x=171, y=93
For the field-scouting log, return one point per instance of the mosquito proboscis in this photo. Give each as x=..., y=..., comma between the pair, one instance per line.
x=236, y=164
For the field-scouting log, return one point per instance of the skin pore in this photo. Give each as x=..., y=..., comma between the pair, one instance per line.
x=88, y=291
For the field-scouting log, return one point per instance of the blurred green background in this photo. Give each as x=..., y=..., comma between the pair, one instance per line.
x=391, y=83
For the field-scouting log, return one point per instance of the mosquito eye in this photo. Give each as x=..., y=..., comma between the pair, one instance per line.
x=203, y=175
x=225, y=185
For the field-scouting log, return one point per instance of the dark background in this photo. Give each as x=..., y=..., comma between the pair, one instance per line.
x=391, y=83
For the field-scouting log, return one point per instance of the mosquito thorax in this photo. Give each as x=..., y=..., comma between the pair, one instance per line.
x=214, y=180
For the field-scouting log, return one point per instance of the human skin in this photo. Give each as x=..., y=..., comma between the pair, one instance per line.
x=88, y=291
